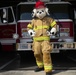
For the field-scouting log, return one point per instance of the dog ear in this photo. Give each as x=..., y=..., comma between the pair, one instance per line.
x=47, y=11
x=34, y=13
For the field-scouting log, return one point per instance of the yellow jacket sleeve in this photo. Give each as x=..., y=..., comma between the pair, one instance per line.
x=53, y=23
x=30, y=25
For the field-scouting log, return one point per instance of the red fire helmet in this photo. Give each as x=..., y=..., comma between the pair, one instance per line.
x=39, y=4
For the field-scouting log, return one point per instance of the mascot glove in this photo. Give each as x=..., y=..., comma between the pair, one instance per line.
x=53, y=31
x=31, y=32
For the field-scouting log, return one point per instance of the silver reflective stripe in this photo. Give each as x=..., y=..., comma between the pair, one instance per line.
x=60, y=20
x=7, y=41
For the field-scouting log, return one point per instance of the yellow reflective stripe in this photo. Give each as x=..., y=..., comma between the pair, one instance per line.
x=35, y=29
x=41, y=27
x=41, y=38
x=53, y=23
x=48, y=67
x=29, y=26
x=40, y=64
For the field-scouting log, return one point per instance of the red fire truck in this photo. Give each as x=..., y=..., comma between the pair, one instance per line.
x=13, y=33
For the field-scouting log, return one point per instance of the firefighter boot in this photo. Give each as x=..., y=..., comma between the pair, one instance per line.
x=38, y=69
x=48, y=73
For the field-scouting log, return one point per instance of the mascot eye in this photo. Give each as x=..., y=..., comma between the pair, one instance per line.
x=42, y=10
x=37, y=11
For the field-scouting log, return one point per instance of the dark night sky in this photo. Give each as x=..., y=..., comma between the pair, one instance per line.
x=10, y=2
x=5, y=3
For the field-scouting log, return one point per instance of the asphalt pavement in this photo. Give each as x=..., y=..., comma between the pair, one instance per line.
x=25, y=65
x=31, y=72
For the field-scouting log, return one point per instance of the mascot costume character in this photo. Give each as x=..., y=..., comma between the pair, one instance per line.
x=39, y=30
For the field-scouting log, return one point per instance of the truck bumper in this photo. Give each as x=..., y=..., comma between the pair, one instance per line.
x=57, y=46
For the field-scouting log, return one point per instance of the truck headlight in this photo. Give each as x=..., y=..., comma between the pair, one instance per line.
x=15, y=36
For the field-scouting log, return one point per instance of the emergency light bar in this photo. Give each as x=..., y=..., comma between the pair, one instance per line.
x=40, y=0
x=45, y=0
x=50, y=0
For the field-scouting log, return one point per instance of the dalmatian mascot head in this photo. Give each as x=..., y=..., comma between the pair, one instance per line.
x=40, y=10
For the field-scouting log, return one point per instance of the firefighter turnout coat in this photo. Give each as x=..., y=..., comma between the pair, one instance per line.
x=41, y=41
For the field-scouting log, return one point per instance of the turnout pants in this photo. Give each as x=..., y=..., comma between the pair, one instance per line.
x=42, y=51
